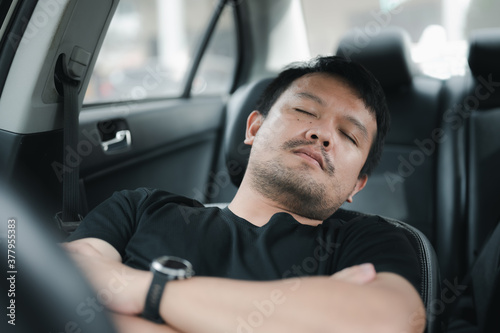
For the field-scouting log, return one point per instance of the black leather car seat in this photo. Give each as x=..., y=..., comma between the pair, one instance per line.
x=241, y=104
x=477, y=306
x=418, y=169
x=403, y=186
x=483, y=139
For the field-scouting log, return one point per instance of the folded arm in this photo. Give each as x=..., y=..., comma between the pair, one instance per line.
x=313, y=304
x=354, y=300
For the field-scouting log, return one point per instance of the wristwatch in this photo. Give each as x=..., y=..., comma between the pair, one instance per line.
x=165, y=268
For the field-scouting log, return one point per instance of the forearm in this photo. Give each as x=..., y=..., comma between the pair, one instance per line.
x=385, y=303
x=134, y=324
x=296, y=305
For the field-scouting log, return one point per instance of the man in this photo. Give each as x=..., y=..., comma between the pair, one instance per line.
x=273, y=260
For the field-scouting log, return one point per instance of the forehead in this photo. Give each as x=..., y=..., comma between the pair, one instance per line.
x=326, y=84
x=329, y=95
x=327, y=91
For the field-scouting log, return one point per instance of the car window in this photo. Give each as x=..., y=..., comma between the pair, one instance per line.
x=216, y=71
x=149, y=48
x=6, y=10
x=438, y=28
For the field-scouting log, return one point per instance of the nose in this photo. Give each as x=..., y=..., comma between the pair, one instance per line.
x=320, y=135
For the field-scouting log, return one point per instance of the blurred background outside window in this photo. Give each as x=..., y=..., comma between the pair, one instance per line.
x=151, y=43
x=438, y=28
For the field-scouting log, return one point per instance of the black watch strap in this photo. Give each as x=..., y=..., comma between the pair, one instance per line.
x=155, y=292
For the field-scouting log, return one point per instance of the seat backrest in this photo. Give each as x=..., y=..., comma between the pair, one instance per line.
x=404, y=186
x=429, y=268
x=241, y=104
x=478, y=297
x=483, y=122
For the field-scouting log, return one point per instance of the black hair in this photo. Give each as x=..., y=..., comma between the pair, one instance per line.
x=364, y=84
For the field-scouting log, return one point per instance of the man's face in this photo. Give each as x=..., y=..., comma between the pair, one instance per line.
x=308, y=152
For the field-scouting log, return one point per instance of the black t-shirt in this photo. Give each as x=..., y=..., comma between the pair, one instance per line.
x=145, y=224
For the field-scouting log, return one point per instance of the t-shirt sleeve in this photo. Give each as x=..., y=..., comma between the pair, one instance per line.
x=374, y=240
x=114, y=220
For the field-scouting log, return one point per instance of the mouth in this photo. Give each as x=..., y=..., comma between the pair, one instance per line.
x=311, y=156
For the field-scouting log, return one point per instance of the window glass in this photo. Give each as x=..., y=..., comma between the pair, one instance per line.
x=149, y=47
x=438, y=28
x=216, y=71
x=6, y=8
x=482, y=14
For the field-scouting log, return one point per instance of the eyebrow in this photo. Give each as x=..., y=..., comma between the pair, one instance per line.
x=359, y=125
x=307, y=95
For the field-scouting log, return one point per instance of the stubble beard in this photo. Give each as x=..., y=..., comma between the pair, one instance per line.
x=293, y=189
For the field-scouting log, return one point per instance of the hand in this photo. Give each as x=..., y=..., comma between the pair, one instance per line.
x=360, y=274
x=119, y=288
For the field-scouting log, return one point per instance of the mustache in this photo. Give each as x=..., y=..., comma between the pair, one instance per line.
x=295, y=143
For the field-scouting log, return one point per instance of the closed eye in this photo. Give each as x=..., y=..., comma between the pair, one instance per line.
x=304, y=112
x=349, y=137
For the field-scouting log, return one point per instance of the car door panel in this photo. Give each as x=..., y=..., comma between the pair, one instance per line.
x=172, y=146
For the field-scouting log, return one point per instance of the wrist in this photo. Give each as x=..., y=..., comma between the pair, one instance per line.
x=165, y=269
x=141, y=287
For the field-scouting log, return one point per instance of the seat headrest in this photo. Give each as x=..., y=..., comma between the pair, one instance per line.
x=241, y=104
x=484, y=63
x=387, y=55
x=484, y=52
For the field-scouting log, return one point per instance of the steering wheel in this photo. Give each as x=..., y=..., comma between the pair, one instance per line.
x=42, y=290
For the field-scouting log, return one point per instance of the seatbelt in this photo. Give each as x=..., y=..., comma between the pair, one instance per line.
x=68, y=75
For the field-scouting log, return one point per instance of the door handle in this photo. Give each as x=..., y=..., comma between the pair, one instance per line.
x=120, y=143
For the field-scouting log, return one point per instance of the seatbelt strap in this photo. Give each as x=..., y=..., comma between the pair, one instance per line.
x=70, y=81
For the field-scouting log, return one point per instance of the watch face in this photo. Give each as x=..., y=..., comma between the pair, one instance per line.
x=175, y=264
x=175, y=267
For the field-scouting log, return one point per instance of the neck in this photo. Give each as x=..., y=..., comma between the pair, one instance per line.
x=258, y=210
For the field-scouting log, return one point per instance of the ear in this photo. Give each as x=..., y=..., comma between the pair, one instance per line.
x=254, y=121
x=360, y=183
